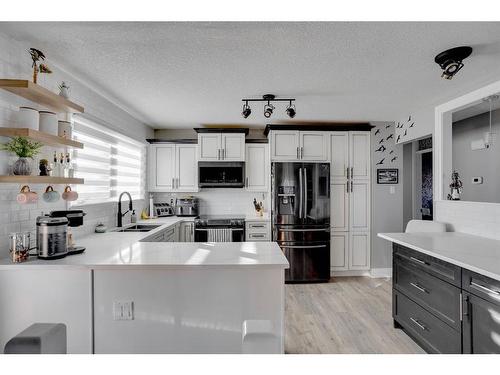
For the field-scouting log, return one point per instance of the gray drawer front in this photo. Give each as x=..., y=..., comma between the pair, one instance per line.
x=437, y=296
x=431, y=333
x=481, y=286
x=443, y=270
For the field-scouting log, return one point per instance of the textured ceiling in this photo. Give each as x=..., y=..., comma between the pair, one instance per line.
x=175, y=75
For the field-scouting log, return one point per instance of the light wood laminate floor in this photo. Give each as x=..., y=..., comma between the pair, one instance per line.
x=347, y=315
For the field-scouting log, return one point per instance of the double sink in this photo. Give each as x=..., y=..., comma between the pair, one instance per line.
x=138, y=228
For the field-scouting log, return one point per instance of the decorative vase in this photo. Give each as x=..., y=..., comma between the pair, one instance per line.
x=22, y=167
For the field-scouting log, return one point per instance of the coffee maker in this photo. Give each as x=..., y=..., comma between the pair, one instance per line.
x=75, y=219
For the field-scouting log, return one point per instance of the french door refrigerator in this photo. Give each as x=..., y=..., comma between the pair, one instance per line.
x=300, y=199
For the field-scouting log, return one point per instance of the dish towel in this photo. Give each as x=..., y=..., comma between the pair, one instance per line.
x=220, y=235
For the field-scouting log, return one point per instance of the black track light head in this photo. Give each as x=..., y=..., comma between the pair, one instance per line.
x=450, y=60
x=268, y=110
x=290, y=110
x=246, y=110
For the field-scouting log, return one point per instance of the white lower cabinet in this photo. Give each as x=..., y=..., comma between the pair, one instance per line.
x=359, y=251
x=187, y=232
x=257, y=230
x=339, y=251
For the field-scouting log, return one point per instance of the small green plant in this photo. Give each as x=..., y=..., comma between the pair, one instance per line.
x=22, y=147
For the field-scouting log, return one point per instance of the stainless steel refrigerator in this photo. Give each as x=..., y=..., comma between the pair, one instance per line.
x=301, y=218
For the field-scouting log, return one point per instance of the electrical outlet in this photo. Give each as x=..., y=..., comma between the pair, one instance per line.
x=123, y=310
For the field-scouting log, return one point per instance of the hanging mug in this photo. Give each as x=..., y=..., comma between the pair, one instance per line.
x=69, y=195
x=26, y=196
x=50, y=195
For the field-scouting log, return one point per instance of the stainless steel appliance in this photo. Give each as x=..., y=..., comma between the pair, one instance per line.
x=186, y=206
x=301, y=218
x=51, y=235
x=219, y=229
x=221, y=174
x=75, y=219
x=163, y=209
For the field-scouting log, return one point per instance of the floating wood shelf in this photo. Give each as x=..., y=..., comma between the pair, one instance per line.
x=40, y=95
x=40, y=180
x=46, y=139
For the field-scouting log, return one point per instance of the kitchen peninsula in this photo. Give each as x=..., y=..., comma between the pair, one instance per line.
x=128, y=295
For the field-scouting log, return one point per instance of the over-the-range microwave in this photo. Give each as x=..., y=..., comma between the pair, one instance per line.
x=221, y=174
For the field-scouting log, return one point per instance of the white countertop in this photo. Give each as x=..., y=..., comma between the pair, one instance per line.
x=477, y=254
x=118, y=249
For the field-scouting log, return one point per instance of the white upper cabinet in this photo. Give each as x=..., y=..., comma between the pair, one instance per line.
x=173, y=167
x=299, y=145
x=186, y=168
x=257, y=167
x=233, y=146
x=285, y=145
x=221, y=146
x=339, y=146
x=162, y=167
x=209, y=146
x=360, y=155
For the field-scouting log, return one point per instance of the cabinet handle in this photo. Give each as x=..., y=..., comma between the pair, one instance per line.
x=347, y=186
x=422, y=327
x=246, y=181
x=218, y=154
x=419, y=287
x=352, y=172
x=223, y=152
x=418, y=261
x=257, y=226
x=302, y=152
x=173, y=183
x=347, y=172
x=484, y=289
x=298, y=156
x=177, y=183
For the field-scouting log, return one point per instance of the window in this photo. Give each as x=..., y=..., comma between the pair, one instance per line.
x=109, y=162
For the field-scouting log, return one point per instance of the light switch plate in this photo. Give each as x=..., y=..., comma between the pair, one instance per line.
x=392, y=190
x=123, y=310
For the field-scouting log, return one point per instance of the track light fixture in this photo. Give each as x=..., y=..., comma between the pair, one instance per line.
x=246, y=110
x=450, y=60
x=269, y=108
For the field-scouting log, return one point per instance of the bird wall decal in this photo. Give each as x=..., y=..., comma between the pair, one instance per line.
x=392, y=152
x=381, y=149
x=393, y=159
x=390, y=136
x=377, y=132
x=406, y=132
x=399, y=137
x=409, y=118
x=387, y=126
x=381, y=141
x=412, y=124
x=381, y=162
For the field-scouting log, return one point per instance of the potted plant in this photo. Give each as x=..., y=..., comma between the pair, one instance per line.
x=24, y=149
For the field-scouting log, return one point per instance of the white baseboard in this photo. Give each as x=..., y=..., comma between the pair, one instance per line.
x=381, y=272
x=374, y=272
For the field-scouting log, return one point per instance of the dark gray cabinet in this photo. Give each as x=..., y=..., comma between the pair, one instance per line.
x=445, y=308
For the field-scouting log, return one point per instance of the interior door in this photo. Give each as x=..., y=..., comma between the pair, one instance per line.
x=209, y=146
x=163, y=167
x=360, y=155
x=256, y=167
x=186, y=168
x=313, y=146
x=285, y=145
x=233, y=146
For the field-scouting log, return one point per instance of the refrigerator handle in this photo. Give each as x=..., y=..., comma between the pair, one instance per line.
x=301, y=191
x=305, y=193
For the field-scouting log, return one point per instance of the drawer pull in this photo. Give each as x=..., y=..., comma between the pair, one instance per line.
x=484, y=289
x=418, y=261
x=420, y=325
x=257, y=226
x=416, y=286
x=257, y=235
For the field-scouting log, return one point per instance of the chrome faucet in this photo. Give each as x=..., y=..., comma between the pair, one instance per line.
x=130, y=208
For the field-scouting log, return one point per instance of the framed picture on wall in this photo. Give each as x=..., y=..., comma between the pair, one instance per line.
x=387, y=176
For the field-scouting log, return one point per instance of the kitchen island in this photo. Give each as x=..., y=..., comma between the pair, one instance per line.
x=446, y=291
x=128, y=295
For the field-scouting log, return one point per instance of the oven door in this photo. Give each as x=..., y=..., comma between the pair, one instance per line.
x=201, y=233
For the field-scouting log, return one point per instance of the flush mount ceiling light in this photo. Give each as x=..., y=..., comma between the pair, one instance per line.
x=451, y=60
x=269, y=108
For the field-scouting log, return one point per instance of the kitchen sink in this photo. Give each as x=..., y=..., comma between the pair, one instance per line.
x=139, y=228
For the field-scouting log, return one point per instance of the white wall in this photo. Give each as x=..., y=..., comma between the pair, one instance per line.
x=15, y=62
x=387, y=208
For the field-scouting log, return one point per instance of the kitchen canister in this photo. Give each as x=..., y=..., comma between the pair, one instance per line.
x=26, y=196
x=27, y=117
x=50, y=195
x=64, y=129
x=69, y=195
x=48, y=122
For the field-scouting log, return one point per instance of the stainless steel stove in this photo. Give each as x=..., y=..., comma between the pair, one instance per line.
x=219, y=228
